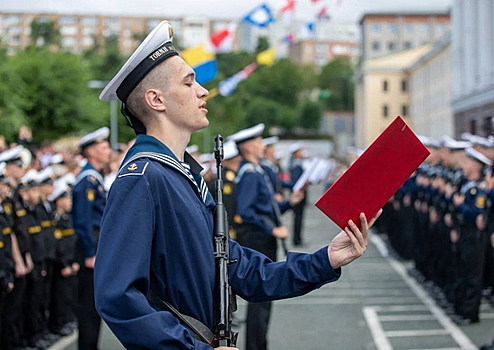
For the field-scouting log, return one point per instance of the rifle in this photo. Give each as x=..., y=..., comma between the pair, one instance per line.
x=223, y=334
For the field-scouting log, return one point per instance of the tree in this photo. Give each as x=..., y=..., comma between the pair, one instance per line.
x=53, y=93
x=262, y=44
x=310, y=115
x=336, y=77
x=44, y=33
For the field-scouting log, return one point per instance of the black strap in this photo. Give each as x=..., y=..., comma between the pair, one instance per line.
x=200, y=331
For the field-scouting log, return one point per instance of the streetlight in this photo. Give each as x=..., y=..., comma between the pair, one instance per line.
x=100, y=84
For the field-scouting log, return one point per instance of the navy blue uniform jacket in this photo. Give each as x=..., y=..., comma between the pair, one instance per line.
x=157, y=233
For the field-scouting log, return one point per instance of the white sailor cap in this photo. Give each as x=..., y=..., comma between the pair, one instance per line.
x=429, y=141
x=247, y=134
x=454, y=145
x=69, y=179
x=57, y=158
x=60, y=189
x=481, y=141
x=230, y=150
x=28, y=180
x=12, y=155
x=192, y=149
x=270, y=140
x=206, y=158
x=479, y=157
x=155, y=48
x=45, y=176
x=294, y=147
x=3, y=172
x=95, y=137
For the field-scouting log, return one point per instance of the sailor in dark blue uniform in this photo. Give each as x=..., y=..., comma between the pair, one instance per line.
x=89, y=200
x=157, y=229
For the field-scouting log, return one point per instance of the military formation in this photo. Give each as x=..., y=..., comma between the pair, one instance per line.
x=443, y=220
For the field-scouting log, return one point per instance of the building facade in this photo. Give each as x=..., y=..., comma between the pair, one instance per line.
x=382, y=92
x=386, y=33
x=430, y=92
x=80, y=32
x=473, y=66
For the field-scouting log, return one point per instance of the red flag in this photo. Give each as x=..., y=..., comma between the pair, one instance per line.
x=314, y=1
x=290, y=6
x=323, y=13
x=222, y=40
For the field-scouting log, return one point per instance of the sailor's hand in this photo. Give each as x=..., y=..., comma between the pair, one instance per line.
x=350, y=243
x=280, y=232
x=225, y=348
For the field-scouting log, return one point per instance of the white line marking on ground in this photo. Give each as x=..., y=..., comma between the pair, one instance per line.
x=416, y=333
x=461, y=339
x=380, y=339
x=393, y=318
x=65, y=341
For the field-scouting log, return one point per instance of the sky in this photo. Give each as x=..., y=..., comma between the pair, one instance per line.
x=339, y=10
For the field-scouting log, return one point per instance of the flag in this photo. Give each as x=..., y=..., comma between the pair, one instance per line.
x=266, y=57
x=202, y=61
x=308, y=30
x=314, y=1
x=223, y=39
x=290, y=6
x=261, y=16
x=323, y=13
x=290, y=38
x=228, y=86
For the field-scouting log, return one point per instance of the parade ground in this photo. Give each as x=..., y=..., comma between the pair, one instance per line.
x=376, y=304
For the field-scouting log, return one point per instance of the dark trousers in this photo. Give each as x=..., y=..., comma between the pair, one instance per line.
x=35, y=320
x=88, y=319
x=12, y=316
x=298, y=216
x=63, y=302
x=258, y=314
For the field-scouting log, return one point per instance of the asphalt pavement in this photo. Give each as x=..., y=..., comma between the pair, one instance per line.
x=376, y=304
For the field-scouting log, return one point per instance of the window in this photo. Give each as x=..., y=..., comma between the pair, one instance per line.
x=473, y=127
x=424, y=28
x=393, y=28
x=66, y=20
x=391, y=46
x=89, y=21
x=385, y=85
x=440, y=29
x=72, y=30
x=376, y=28
x=404, y=85
x=385, y=111
x=376, y=46
x=407, y=45
x=409, y=28
x=404, y=111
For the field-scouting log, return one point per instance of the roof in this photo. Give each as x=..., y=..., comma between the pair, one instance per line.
x=403, y=13
x=397, y=61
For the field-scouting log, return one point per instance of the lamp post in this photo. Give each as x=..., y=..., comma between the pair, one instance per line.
x=100, y=84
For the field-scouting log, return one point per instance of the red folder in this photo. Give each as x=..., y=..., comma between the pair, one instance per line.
x=375, y=176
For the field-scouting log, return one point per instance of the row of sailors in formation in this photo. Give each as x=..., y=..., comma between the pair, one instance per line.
x=38, y=264
x=443, y=219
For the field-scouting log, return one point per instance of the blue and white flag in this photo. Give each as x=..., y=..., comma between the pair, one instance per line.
x=261, y=16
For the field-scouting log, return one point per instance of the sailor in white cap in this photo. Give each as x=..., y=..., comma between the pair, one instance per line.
x=156, y=233
x=271, y=164
x=89, y=200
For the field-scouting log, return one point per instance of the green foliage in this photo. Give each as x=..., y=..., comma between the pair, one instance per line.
x=310, y=115
x=44, y=33
x=231, y=63
x=336, y=78
x=54, y=99
x=262, y=44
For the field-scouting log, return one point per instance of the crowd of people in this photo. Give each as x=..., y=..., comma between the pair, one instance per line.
x=442, y=219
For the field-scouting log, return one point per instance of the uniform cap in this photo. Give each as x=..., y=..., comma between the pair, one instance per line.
x=3, y=172
x=429, y=141
x=457, y=145
x=12, y=154
x=95, y=137
x=28, y=180
x=270, y=140
x=155, y=48
x=294, y=147
x=247, y=134
x=230, y=150
x=192, y=149
x=56, y=158
x=60, y=189
x=479, y=157
x=45, y=176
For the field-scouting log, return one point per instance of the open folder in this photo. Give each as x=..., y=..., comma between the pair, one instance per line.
x=375, y=176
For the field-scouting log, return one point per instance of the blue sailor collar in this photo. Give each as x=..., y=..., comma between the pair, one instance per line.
x=149, y=147
x=89, y=170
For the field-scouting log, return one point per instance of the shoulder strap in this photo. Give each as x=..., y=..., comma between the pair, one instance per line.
x=201, y=332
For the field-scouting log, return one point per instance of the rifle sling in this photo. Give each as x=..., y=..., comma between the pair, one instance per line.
x=200, y=331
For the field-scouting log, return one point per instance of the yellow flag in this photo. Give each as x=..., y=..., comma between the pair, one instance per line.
x=266, y=57
x=212, y=93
